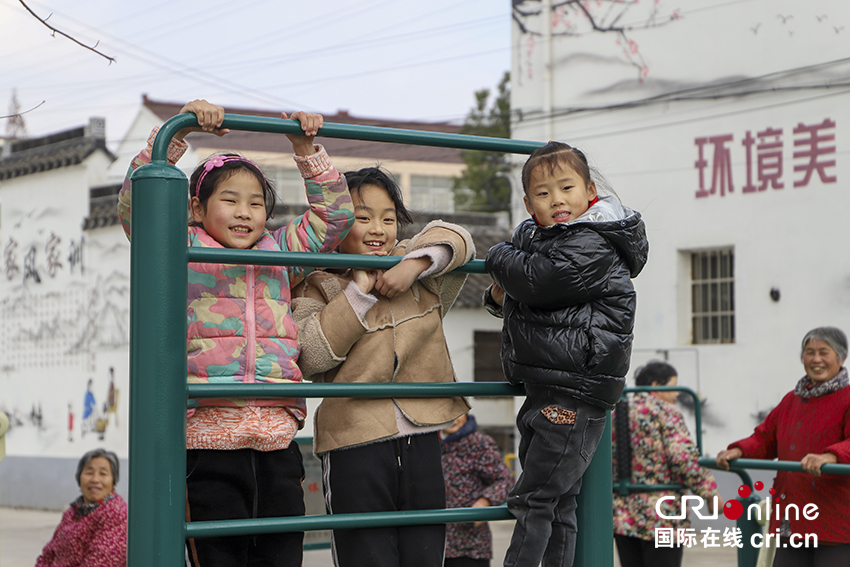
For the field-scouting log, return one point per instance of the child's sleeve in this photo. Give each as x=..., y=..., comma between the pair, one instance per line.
x=575, y=272
x=331, y=213
x=330, y=321
x=176, y=149
x=454, y=239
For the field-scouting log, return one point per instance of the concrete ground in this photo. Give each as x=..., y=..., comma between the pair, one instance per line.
x=24, y=532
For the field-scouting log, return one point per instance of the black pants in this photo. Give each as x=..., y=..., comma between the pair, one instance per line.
x=398, y=474
x=242, y=484
x=636, y=552
x=559, y=435
x=821, y=556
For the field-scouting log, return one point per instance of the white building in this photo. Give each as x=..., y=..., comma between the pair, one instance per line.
x=727, y=125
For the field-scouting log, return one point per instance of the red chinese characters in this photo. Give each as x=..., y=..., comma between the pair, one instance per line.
x=814, y=152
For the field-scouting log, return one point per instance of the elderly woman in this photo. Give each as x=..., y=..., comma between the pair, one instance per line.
x=662, y=452
x=811, y=425
x=93, y=531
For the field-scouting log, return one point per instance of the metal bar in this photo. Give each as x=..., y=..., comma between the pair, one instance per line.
x=594, y=516
x=362, y=520
x=652, y=487
x=308, y=259
x=303, y=390
x=345, y=131
x=766, y=465
x=158, y=284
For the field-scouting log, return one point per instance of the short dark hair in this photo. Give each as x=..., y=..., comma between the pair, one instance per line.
x=93, y=454
x=378, y=176
x=223, y=172
x=654, y=371
x=551, y=156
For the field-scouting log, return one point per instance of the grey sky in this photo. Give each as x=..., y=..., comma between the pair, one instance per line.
x=375, y=58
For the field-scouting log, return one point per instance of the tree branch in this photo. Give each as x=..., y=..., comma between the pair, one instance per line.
x=55, y=31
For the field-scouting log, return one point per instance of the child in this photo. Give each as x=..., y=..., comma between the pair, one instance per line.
x=476, y=476
x=241, y=462
x=563, y=285
x=382, y=454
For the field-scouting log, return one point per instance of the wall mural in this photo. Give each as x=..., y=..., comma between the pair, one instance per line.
x=64, y=336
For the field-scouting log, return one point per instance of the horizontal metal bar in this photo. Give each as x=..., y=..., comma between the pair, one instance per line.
x=307, y=259
x=329, y=522
x=370, y=390
x=651, y=487
x=347, y=132
x=684, y=389
x=766, y=465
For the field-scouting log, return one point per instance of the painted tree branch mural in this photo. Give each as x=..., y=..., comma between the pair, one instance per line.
x=575, y=18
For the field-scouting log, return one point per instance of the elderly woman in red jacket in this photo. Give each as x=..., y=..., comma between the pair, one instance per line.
x=810, y=425
x=93, y=531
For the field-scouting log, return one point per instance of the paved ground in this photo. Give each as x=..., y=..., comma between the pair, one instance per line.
x=24, y=532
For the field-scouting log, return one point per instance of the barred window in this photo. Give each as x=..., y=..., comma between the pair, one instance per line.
x=713, y=296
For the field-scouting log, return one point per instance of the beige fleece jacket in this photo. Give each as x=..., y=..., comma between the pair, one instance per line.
x=401, y=340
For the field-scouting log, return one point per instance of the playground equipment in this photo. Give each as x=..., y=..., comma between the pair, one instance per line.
x=159, y=392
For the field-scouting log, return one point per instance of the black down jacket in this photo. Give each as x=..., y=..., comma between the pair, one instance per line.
x=569, y=305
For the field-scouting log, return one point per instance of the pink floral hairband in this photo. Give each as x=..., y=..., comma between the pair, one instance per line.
x=218, y=161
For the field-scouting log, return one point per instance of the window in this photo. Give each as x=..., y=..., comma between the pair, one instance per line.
x=713, y=296
x=431, y=193
x=487, y=347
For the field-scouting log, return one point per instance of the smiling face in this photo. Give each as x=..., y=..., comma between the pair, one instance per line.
x=375, y=225
x=558, y=197
x=820, y=361
x=235, y=214
x=96, y=480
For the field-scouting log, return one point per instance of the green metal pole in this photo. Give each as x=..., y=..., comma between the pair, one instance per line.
x=158, y=284
x=349, y=132
x=748, y=554
x=595, y=514
x=309, y=259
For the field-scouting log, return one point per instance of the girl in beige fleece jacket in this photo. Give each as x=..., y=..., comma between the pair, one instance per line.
x=382, y=327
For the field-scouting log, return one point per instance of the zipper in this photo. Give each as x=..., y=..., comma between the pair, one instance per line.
x=250, y=329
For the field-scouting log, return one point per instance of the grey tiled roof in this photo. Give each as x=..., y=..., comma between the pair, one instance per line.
x=71, y=147
x=103, y=210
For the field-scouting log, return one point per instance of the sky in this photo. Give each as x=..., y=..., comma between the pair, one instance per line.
x=396, y=59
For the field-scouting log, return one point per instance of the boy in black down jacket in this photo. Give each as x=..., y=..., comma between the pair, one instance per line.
x=563, y=285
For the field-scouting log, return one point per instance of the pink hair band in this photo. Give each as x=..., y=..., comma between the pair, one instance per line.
x=218, y=161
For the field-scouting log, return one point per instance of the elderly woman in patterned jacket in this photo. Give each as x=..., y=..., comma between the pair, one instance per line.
x=93, y=531
x=476, y=476
x=652, y=445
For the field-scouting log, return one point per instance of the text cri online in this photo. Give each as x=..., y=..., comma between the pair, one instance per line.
x=664, y=537
x=687, y=537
